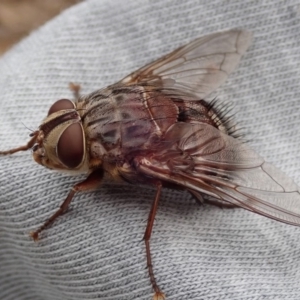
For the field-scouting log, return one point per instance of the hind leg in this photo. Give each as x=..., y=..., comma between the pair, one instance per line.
x=216, y=202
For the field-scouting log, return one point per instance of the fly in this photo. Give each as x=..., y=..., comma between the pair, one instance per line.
x=155, y=127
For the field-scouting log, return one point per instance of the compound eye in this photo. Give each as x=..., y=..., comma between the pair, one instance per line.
x=61, y=105
x=70, y=147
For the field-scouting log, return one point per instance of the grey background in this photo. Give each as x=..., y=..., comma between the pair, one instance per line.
x=95, y=250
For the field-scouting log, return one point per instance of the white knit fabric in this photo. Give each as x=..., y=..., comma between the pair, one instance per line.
x=95, y=251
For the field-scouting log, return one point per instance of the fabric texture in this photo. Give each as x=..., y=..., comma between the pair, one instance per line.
x=95, y=250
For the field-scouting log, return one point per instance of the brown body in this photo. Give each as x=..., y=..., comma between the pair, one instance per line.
x=155, y=127
x=125, y=123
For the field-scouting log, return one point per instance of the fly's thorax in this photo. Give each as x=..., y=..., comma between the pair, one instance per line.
x=61, y=142
x=121, y=119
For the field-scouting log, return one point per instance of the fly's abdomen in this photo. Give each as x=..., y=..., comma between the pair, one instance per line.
x=123, y=119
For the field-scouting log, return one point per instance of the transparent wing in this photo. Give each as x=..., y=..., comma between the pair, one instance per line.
x=203, y=159
x=197, y=68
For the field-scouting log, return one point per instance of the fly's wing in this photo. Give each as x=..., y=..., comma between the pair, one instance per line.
x=201, y=158
x=197, y=68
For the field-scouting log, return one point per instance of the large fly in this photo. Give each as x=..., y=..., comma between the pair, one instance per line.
x=155, y=127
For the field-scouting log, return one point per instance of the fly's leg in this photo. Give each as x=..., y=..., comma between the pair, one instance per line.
x=75, y=88
x=26, y=147
x=220, y=203
x=197, y=196
x=90, y=183
x=159, y=295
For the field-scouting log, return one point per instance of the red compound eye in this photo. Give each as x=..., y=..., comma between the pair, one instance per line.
x=70, y=147
x=61, y=105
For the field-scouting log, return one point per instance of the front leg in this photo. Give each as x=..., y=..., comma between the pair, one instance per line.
x=92, y=182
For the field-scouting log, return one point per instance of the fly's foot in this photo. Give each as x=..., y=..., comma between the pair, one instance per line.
x=34, y=235
x=159, y=296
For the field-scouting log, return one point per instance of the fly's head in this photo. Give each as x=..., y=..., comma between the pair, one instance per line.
x=60, y=142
